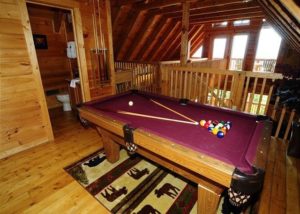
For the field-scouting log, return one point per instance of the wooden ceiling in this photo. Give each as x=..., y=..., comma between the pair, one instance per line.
x=150, y=30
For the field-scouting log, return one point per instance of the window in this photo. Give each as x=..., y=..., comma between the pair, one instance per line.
x=219, y=48
x=267, y=50
x=238, y=50
x=198, y=53
x=241, y=22
x=220, y=24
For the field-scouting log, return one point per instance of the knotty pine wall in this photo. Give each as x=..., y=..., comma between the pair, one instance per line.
x=86, y=10
x=55, y=66
x=24, y=120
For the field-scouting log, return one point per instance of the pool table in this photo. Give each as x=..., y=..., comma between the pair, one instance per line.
x=162, y=129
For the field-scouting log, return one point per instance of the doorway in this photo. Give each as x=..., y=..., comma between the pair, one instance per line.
x=55, y=46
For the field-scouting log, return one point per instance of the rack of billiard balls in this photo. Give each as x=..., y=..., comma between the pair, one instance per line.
x=217, y=128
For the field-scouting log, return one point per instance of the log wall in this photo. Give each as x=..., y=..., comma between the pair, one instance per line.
x=24, y=120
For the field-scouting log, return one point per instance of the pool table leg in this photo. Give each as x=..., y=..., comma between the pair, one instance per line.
x=208, y=199
x=112, y=149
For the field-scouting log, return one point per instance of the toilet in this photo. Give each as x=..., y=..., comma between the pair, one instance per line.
x=65, y=100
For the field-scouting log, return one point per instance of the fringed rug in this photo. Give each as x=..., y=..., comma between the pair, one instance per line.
x=134, y=185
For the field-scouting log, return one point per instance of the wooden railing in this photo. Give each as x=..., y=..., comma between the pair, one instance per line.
x=264, y=65
x=199, y=63
x=236, y=64
x=137, y=75
x=242, y=90
x=283, y=118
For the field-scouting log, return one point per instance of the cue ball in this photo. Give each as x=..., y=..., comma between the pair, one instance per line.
x=130, y=103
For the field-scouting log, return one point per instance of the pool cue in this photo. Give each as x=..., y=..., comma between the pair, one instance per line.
x=157, y=118
x=157, y=103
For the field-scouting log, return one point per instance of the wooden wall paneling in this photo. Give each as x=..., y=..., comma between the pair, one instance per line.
x=166, y=43
x=65, y=4
x=185, y=33
x=44, y=21
x=24, y=117
x=35, y=67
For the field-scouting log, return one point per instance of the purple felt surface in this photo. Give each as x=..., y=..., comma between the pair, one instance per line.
x=238, y=147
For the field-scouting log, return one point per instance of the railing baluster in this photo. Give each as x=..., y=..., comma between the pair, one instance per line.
x=289, y=124
x=261, y=95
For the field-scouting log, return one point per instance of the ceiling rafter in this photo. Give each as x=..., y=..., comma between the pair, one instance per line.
x=166, y=42
x=153, y=37
x=145, y=28
x=159, y=39
x=129, y=38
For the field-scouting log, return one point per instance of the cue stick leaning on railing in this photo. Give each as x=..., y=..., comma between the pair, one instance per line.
x=157, y=118
x=157, y=103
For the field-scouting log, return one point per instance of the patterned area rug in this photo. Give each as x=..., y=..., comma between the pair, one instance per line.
x=134, y=185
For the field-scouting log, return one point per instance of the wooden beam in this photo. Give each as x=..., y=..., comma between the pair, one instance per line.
x=150, y=21
x=185, y=33
x=147, y=46
x=156, y=22
x=227, y=18
x=161, y=4
x=224, y=14
x=170, y=46
x=125, y=45
x=160, y=39
x=230, y=9
x=159, y=54
x=206, y=4
x=125, y=30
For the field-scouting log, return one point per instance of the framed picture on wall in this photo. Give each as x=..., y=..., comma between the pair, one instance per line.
x=40, y=41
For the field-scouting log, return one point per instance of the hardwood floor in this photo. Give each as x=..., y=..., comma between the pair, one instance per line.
x=34, y=181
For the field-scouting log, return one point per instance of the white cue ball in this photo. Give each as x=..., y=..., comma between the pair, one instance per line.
x=130, y=103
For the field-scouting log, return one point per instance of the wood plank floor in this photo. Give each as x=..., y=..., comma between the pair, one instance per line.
x=34, y=181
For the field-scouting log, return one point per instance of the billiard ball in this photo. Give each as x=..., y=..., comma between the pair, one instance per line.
x=130, y=103
x=206, y=125
x=210, y=129
x=220, y=134
x=202, y=122
x=215, y=131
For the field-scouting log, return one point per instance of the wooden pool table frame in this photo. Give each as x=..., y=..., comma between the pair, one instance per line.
x=211, y=175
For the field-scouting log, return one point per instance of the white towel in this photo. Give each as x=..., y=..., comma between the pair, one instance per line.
x=73, y=82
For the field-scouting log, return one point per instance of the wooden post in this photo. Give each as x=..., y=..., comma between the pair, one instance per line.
x=185, y=33
x=110, y=56
x=239, y=81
